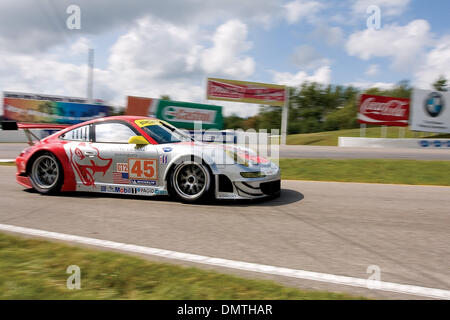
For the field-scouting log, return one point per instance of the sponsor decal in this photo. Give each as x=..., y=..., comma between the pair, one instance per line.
x=87, y=167
x=133, y=190
x=122, y=167
x=145, y=191
x=435, y=144
x=123, y=190
x=167, y=149
x=434, y=104
x=147, y=122
x=143, y=169
x=163, y=159
x=146, y=182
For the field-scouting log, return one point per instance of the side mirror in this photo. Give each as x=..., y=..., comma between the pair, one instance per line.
x=138, y=140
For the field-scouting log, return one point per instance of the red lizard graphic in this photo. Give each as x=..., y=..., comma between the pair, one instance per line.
x=87, y=172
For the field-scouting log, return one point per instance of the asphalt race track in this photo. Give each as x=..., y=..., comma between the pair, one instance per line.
x=12, y=150
x=333, y=228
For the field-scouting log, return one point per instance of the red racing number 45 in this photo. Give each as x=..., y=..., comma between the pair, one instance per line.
x=145, y=169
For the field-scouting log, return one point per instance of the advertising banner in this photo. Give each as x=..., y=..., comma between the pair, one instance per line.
x=385, y=111
x=35, y=108
x=180, y=114
x=430, y=111
x=244, y=91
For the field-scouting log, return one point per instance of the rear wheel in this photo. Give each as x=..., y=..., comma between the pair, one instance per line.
x=46, y=174
x=190, y=181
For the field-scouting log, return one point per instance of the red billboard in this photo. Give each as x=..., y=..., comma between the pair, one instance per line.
x=385, y=111
x=244, y=91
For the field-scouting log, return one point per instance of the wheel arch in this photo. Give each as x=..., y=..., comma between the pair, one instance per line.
x=69, y=183
x=190, y=157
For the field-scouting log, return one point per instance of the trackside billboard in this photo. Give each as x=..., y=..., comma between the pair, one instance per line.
x=40, y=108
x=245, y=91
x=180, y=114
x=385, y=111
x=430, y=111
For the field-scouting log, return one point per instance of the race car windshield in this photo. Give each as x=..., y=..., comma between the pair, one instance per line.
x=163, y=133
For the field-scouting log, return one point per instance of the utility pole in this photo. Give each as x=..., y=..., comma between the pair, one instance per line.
x=284, y=116
x=90, y=82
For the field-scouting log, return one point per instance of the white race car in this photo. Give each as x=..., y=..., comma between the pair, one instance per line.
x=143, y=156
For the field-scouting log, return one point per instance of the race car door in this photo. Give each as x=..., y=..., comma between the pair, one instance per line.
x=131, y=164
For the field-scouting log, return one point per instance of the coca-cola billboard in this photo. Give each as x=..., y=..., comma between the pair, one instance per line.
x=386, y=111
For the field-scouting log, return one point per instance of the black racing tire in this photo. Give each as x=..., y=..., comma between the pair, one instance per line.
x=46, y=174
x=191, y=182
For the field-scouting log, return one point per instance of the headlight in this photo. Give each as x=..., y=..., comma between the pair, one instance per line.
x=257, y=174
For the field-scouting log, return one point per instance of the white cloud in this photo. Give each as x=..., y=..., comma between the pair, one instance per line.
x=373, y=70
x=401, y=43
x=39, y=25
x=436, y=63
x=299, y=9
x=321, y=75
x=153, y=58
x=80, y=47
x=306, y=56
x=388, y=7
x=226, y=56
x=367, y=85
x=41, y=74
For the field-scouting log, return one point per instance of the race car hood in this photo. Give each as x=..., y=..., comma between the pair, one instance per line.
x=217, y=153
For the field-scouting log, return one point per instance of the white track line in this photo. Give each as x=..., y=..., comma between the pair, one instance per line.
x=7, y=160
x=240, y=265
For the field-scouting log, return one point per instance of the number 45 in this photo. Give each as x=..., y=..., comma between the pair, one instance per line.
x=142, y=169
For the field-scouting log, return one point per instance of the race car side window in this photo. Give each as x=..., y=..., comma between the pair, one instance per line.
x=113, y=132
x=78, y=134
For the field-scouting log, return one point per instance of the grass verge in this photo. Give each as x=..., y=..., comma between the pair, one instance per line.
x=36, y=269
x=330, y=138
x=414, y=172
x=11, y=164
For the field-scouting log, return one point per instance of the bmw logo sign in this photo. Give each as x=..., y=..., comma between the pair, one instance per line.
x=434, y=104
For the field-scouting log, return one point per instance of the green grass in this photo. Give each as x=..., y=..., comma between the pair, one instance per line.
x=330, y=138
x=412, y=172
x=36, y=269
x=7, y=164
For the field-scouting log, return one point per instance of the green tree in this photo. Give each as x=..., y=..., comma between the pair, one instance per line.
x=233, y=122
x=441, y=84
x=165, y=97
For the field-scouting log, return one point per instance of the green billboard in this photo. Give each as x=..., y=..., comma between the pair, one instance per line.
x=185, y=114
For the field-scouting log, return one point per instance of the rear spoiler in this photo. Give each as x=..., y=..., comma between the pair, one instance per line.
x=14, y=125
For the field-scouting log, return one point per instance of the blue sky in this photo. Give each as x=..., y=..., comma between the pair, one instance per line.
x=150, y=48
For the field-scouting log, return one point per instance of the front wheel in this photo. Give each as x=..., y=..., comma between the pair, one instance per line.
x=190, y=181
x=46, y=174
